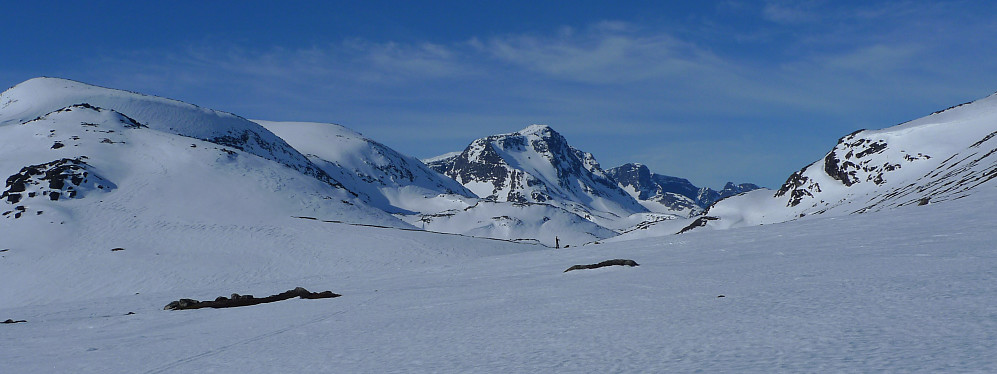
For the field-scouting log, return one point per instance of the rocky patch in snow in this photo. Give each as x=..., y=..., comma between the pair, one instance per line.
x=616, y=262
x=67, y=178
x=236, y=300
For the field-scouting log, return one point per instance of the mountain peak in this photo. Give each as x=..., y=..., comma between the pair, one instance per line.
x=537, y=129
x=537, y=165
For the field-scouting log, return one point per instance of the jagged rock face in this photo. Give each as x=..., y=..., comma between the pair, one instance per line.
x=676, y=195
x=659, y=193
x=536, y=165
x=707, y=196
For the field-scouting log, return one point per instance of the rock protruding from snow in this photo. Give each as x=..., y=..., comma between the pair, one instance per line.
x=236, y=300
x=615, y=262
x=536, y=165
x=67, y=178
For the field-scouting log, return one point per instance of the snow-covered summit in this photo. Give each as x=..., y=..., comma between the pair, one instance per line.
x=536, y=165
x=37, y=97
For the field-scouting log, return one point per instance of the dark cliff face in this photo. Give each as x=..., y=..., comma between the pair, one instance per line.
x=666, y=189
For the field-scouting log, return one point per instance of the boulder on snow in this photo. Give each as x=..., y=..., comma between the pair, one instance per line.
x=616, y=262
x=235, y=299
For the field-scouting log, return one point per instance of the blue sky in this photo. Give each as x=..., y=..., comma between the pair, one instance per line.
x=710, y=91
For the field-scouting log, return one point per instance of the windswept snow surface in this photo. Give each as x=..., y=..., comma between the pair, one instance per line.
x=394, y=182
x=906, y=290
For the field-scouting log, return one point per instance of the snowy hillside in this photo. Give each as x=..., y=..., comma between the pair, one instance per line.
x=82, y=161
x=37, y=97
x=941, y=157
x=536, y=165
x=394, y=182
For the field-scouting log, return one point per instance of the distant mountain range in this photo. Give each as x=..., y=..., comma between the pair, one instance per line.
x=64, y=140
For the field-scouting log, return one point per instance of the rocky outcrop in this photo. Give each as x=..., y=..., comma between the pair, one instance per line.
x=236, y=300
x=67, y=178
x=616, y=262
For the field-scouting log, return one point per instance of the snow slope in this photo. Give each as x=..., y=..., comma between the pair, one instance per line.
x=905, y=290
x=941, y=157
x=37, y=97
x=84, y=161
x=394, y=182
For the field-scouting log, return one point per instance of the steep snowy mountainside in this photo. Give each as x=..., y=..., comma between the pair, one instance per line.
x=395, y=182
x=940, y=157
x=666, y=194
x=536, y=165
x=65, y=166
x=37, y=97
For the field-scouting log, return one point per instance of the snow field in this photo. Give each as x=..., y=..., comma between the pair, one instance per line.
x=874, y=292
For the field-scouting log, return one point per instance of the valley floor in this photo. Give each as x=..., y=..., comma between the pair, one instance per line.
x=909, y=290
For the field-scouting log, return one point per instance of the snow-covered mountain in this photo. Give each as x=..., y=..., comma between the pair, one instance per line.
x=394, y=182
x=71, y=153
x=667, y=194
x=910, y=291
x=706, y=196
x=37, y=97
x=116, y=204
x=943, y=156
x=536, y=165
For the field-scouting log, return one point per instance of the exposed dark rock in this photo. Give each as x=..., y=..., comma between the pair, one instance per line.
x=9, y=321
x=117, y=249
x=699, y=222
x=236, y=300
x=55, y=179
x=616, y=262
x=58, y=145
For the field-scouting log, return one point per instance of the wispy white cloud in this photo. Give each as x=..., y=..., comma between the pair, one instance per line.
x=605, y=53
x=790, y=11
x=428, y=97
